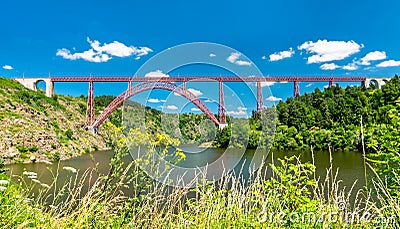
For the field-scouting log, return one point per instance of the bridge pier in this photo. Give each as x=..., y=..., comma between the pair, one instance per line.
x=296, y=88
x=31, y=83
x=331, y=83
x=90, y=106
x=260, y=102
x=221, y=106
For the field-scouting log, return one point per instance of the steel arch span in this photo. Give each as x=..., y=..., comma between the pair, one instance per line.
x=145, y=86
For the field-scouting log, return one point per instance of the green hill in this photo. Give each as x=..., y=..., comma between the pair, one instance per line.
x=35, y=126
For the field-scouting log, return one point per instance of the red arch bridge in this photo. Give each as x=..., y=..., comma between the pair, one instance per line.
x=170, y=83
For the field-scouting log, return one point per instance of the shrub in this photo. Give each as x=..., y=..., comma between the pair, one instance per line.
x=69, y=134
x=2, y=166
x=56, y=156
x=22, y=149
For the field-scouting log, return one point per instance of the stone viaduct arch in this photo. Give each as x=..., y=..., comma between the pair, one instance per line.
x=378, y=82
x=32, y=83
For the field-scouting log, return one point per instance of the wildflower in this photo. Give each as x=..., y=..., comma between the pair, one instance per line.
x=70, y=169
x=45, y=185
x=47, y=162
x=36, y=181
x=3, y=182
x=2, y=188
x=29, y=173
x=180, y=154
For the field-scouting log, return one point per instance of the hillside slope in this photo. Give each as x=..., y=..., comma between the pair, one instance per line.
x=35, y=127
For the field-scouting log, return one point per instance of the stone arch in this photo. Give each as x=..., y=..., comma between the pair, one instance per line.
x=31, y=83
x=374, y=82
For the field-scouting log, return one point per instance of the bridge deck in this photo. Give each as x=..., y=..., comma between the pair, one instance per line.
x=207, y=79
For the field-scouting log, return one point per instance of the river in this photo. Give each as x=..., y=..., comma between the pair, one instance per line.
x=350, y=164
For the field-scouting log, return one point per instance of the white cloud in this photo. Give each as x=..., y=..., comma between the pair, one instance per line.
x=369, y=68
x=281, y=55
x=8, y=67
x=309, y=85
x=284, y=82
x=88, y=55
x=331, y=66
x=351, y=67
x=195, y=92
x=234, y=59
x=388, y=63
x=212, y=55
x=195, y=109
x=325, y=51
x=267, y=83
x=209, y=101
x=103, y=53
x=156, y=100
x=171, y=107
x=273, y=98
x=243, y=63
x=236, y=113
x=118, y=49
x=264, y=57
x=372, y=56
x=156, y=73
x=240, y=111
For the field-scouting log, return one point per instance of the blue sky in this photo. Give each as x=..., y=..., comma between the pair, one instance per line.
x=311, y=37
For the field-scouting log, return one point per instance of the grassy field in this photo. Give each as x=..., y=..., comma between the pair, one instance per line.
x=127, y=198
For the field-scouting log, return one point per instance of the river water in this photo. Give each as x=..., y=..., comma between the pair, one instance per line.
x=350, y=164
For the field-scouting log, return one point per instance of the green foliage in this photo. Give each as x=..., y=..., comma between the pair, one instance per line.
x=223, y=137
x=2, y=170
x=332, y=118
x=292, y=183
x=24, y=149
x=69, y=134
x=56, y=156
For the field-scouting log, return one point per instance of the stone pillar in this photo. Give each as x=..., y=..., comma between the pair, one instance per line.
x=49, y=88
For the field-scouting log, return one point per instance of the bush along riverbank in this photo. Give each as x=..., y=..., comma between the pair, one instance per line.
x=126, y=197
